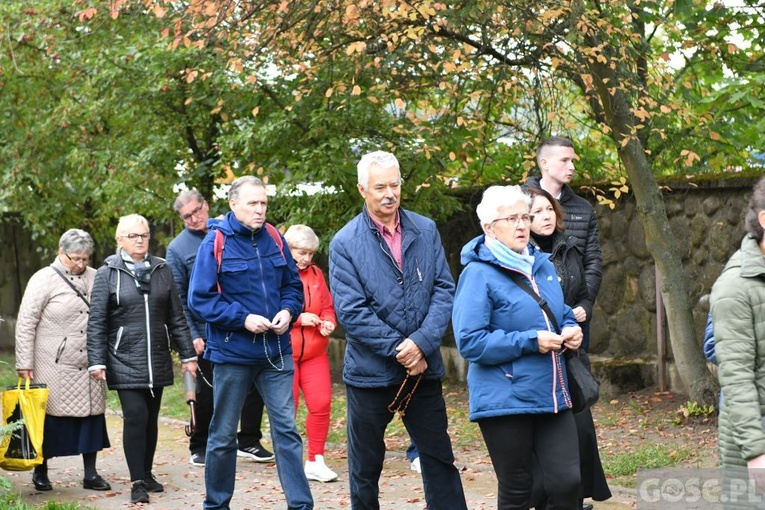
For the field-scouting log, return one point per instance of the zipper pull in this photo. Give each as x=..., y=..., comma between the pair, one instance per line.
x=419, y=274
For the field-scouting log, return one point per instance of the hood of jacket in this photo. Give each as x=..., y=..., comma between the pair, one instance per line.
x=476, y=251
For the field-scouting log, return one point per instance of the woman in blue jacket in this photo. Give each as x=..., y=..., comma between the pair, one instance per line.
x=517, y=376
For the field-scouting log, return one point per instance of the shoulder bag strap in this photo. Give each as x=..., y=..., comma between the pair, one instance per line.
x=521, y=282
x=71, y=285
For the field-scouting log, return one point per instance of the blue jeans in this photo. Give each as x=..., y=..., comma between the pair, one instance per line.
x=230, y=386
x=425, y=420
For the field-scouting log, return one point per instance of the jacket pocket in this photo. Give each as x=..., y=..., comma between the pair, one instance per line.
x=234, y=277
x=119, y=338
x=60, y=350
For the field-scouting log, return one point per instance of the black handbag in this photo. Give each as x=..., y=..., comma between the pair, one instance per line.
x=582, y=385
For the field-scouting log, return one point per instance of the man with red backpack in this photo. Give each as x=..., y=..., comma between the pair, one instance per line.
x=249, y=295
x=181, y=255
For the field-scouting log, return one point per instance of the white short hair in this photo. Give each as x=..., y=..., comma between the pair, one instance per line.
x=499, y=196
x=301, y=237
x=380, y=158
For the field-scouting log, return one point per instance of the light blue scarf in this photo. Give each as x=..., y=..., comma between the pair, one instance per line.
x=523, y=262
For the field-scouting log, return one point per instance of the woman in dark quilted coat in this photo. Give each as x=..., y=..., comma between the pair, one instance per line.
x=135, y=317
x=50, y=349
x=548, y=233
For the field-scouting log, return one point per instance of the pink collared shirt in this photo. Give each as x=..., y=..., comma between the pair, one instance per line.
x=392, y=239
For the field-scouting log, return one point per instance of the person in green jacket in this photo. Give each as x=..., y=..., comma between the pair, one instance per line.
x=738, y=317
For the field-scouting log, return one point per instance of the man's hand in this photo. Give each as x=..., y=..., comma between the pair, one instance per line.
x=281, y=322
x=98, y=375
x=572, y=337
x=257, y=323
x=548, y=341
x=189, y=366
x=409, y=354
x=199, y=346
x=579, y=314
x=310, y=319
x=418, y=368
x=26, y=374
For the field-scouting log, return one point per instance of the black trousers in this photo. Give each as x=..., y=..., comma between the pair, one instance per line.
x=425, y=420
x=140, y=412
x=252, y=412
x=514, y=440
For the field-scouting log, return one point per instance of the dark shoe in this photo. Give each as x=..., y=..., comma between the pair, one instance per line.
x=587, y=506
x=138, y=493
x=256, y=453
x=198, y=459
x=96, y=484
x=41, y=482
x=152, y=485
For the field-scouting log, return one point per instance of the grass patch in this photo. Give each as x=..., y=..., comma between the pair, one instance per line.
x=623, y=465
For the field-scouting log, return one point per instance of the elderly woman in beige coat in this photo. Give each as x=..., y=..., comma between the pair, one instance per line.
x=51, y=348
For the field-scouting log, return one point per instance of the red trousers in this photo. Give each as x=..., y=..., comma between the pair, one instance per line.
x=312, y=377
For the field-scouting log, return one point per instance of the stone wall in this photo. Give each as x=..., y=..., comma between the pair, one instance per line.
x=707, y=227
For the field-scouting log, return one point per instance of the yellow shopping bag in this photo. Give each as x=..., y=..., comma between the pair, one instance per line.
x=24, y=407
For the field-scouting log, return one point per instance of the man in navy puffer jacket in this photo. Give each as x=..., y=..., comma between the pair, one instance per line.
x=393, y=295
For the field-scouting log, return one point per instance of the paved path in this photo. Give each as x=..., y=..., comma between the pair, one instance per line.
x=257, y=485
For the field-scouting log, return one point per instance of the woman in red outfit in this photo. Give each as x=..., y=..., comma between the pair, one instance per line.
x=310, y=338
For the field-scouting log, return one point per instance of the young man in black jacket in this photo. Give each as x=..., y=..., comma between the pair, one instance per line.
x=555, y=157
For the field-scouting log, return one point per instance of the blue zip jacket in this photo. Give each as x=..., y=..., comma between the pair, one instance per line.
x=379, y=305
x=495, y=326
x=254, y=278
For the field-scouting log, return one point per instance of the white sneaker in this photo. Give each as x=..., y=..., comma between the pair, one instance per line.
x=415, y=465
x=319, y=471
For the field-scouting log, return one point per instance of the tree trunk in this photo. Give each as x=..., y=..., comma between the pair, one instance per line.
x=691, y=365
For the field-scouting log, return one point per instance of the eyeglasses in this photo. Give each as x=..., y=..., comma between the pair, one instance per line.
x=515, y=219
x=136, y=237
x=195, y=212
x=77, y=260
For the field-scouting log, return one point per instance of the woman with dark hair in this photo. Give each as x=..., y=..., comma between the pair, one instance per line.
x=738, y=318
x=136, y=315
x=548, y=234
x=517, y=377
x=50, y=349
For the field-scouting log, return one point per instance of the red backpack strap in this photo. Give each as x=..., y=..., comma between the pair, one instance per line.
x=220, y=240
x=276, y=236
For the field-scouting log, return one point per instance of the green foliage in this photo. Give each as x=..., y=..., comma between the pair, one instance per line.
x=106, y=116
x=694, y=411
x=100, y=120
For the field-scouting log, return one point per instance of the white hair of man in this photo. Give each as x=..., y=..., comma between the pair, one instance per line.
x=495, y=197
x=380, y=158
x=302, y=237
